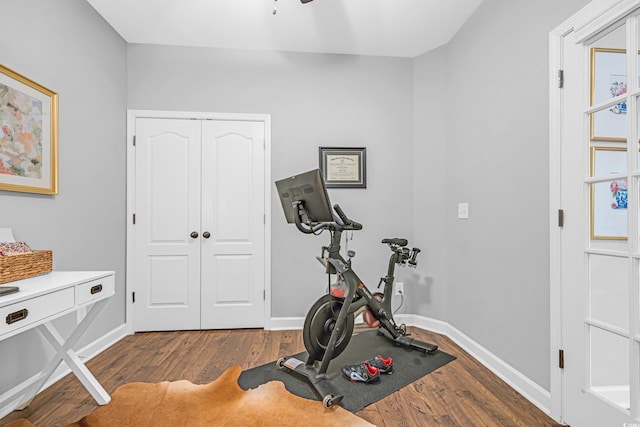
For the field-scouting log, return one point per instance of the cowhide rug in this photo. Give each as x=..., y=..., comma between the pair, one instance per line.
x=219, y=403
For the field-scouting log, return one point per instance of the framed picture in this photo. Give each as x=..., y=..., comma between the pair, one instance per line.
x=28, y=135
x=608, y=80
x=344, y=167
x=609, y=199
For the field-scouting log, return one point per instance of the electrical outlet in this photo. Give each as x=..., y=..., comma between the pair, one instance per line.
x=81, y=313
x=399, y=288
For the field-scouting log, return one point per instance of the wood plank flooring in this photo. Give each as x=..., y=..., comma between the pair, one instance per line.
x=462, y=393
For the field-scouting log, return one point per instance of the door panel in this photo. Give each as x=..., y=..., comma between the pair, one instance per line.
x=233, y=257
x=167, y=258
x=232, y=277
x=164, y=273
x=598, y=257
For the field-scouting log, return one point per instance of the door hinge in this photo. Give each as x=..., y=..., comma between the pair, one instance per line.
x=264, y=294
x=560, y=218
x=264, y=219
x=560, y=79
x=133, y=297
x=561, y=359
x=134, y=140
x=134, y=219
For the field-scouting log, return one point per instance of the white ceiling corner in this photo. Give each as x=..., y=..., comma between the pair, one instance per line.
x=397, y=28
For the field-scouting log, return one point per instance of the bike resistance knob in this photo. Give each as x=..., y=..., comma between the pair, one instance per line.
x=194, y=234
x=206, y=234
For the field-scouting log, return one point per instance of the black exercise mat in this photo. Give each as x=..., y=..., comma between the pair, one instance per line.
x=408, y=366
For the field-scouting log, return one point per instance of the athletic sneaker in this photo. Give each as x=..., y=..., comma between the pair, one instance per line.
x=385, y=366
x=362, y=372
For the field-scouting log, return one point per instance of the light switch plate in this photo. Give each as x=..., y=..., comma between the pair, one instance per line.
x=463, y=210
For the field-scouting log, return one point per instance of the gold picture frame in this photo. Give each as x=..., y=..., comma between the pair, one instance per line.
x=28, y=135
x=608, y=79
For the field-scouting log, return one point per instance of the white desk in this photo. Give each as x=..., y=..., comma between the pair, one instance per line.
x=44, y=298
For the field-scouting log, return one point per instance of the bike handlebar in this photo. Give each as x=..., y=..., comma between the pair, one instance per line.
x=413, y=261
x=348, y=223
x=312, y=228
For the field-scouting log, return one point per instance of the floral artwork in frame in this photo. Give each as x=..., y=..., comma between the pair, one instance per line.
x=608, y=80
x=609, y=199
x=28, y=135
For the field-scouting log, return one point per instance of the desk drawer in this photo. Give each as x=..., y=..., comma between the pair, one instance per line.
x=33, y=310
x=95, y=289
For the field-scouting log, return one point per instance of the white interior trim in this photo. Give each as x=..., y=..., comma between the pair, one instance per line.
x=598, y=15
x=555, y=203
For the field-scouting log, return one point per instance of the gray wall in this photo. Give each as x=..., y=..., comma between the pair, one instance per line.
x=496, y=159
x=314, y=100
x=67, y=47
x=428, y=293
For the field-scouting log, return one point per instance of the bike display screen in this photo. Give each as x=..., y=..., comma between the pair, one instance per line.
x=309, y=189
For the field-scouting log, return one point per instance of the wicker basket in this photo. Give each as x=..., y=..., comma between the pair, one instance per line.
x=21, y=266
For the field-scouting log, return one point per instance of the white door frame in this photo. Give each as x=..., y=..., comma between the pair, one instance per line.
x=597, y=15
x=132, y=115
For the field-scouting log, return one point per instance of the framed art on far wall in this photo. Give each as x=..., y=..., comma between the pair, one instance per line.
x=344, y=167
x=28, y=135
x=608, y=216
x=608, y=80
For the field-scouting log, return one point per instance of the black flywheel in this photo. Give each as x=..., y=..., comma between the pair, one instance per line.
x=319, y=325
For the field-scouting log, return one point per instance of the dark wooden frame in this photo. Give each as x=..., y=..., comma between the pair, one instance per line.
x=349, y=154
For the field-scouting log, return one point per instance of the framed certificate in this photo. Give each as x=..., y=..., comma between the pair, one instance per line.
x=344, y=167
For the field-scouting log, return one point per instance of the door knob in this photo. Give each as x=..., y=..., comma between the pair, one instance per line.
x=206, y=234
x=194, y=234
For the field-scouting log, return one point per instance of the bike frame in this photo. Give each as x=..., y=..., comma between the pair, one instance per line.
x=363, y=297
x=358, y=295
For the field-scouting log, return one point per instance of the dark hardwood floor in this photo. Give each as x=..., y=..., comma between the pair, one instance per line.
x=462, y=393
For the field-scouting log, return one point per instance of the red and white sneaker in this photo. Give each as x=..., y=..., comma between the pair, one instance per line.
x=385, y=366
x=362, y=372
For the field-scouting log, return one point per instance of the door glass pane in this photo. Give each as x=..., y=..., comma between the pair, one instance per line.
x=608, y=316
x=609, y=367
x=609, y=290
x=608, y=199
x=609, y=80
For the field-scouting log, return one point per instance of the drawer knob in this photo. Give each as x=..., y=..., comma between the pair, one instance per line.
x=16, y=316
x=95, y=289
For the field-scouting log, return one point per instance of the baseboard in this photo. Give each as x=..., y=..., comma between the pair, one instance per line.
x=537, y=395
x=516, y=379
x=86, y=353
x=286, y=323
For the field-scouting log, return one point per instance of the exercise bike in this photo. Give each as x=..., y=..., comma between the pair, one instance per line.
x=329, y=324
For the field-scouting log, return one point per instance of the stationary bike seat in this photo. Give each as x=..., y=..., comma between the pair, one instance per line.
x=399, y=242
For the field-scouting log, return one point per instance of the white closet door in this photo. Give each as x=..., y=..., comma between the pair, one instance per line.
x=233, y=200
x=167, y=208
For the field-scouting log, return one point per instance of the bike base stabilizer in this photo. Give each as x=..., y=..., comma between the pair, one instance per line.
x=320, y=382
x=413, y=343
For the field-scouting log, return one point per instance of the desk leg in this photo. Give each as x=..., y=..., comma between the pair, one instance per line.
x=65, y=352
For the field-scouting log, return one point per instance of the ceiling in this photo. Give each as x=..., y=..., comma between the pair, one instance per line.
x=400, y=28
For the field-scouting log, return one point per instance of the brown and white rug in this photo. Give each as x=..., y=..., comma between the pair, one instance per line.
x=219, y=403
